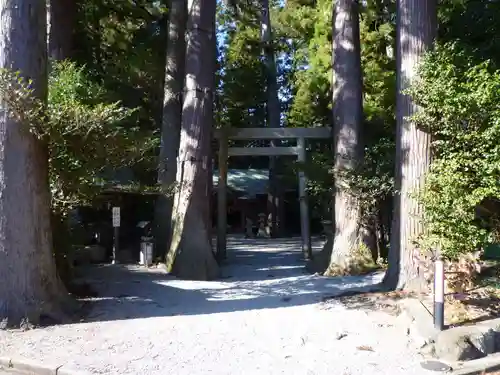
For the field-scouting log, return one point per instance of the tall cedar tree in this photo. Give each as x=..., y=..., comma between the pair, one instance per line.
x=416, y=29
x=190, y=255
x=171, y=120
x=30, y=289
x=348, y=120
x=273, y=118
x=62, y=20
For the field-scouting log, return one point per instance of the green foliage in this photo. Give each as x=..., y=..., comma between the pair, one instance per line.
x=85, y=136
x=242, y=90
x=459, y=20
x=311, y=85
x=377, y=34
x=312, y=66
x=371, y=181
x=459, y=100
x=318, y=170
x=122, y=44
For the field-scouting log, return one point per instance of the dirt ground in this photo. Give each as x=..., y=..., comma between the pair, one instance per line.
x=385, y=301
x=264, y=316
x=480, y=303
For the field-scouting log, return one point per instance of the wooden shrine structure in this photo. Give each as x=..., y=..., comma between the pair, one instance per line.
x=299, y=135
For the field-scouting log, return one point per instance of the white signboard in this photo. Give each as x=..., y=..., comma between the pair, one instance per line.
x=116, y=216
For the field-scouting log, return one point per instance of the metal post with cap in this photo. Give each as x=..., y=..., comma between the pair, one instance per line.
x=439, y=293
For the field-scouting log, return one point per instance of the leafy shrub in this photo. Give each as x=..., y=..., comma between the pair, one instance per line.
x=319, y=183
x=85, y=134
x=371, y=181
x=460, y=102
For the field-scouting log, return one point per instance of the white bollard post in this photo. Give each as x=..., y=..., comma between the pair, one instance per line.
x=439, y=294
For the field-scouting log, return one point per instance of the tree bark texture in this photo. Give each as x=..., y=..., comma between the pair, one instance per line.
x=273, y=118
x=349, y=254
x=190, y=255
x=62, y=21
x=210, y=114
x=30, y=289
x=171, y=121
x=416, y=30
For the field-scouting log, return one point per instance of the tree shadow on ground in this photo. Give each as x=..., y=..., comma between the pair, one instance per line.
x=265, y=274
x=371, y=300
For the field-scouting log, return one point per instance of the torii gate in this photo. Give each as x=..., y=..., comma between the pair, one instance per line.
x=300, y=135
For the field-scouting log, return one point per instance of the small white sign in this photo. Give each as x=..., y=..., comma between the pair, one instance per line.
x=116, y=216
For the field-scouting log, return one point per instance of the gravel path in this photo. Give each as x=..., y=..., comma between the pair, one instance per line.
x=264, y=317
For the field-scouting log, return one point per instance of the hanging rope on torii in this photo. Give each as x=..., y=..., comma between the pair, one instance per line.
x=300, y=135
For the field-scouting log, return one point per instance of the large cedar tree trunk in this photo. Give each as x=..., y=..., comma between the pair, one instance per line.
x=273, y=119
x=171, y=120
x=30, y=289
x=190, y=255
x=416, y=30
x=62, y=21
x=348, y=254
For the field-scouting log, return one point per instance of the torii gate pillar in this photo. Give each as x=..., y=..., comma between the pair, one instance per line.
x=304, y=207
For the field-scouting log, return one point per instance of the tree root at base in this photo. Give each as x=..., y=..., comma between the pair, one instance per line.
x=353, y=263
x=40, y=314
